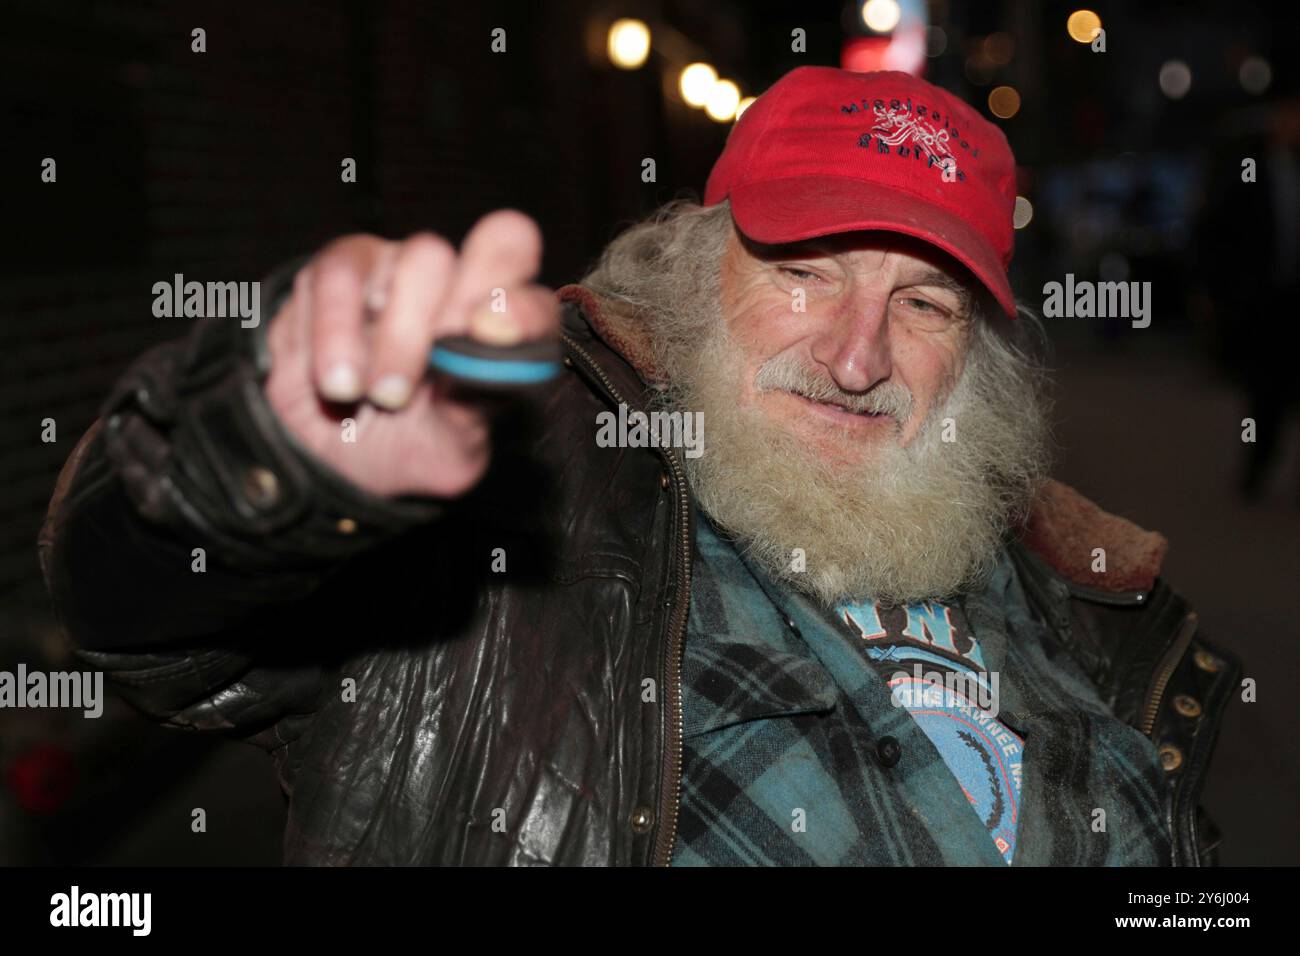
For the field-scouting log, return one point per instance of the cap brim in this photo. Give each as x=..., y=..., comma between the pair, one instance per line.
x=803, y=207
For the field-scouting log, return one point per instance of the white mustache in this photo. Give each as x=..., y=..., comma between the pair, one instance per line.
x=788, y=373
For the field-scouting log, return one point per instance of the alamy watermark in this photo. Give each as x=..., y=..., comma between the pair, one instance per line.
x=638, y=429
x=197, y=300
x=79, y=690
x=76, y=909
x=924, y=688
x=1100, y=300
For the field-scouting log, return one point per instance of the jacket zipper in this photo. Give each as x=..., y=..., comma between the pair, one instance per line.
x=1166, y=670
x=671, y=797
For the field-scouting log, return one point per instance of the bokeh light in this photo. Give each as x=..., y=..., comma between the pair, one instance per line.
x=936, y=41
x=1004, y=102
x=1023, y=214
x=999, y=48
x=629, y=43
x=1083, y=26
x=723, y=100
x=1255, y=74
x=696, y=82
x=881, y=15
x=1175, y=79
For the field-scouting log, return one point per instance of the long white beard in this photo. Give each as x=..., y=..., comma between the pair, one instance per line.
x=908, y=523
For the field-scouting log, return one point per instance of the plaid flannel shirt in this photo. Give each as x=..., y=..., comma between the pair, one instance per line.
x=784, y=716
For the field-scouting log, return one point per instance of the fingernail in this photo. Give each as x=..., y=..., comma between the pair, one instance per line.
x=342, y=384
x=391, y=391
x=495, y=328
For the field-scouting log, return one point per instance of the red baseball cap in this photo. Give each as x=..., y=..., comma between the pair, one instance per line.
x=825, y=151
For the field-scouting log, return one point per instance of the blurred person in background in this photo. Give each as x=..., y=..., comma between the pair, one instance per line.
x=1249, y=244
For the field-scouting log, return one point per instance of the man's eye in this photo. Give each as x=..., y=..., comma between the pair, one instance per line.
x=798, y=273
x=921, y=305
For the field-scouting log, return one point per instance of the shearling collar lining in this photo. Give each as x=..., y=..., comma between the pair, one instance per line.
x=1063, y=528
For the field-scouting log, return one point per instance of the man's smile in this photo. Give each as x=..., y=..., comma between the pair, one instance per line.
x=838, y=413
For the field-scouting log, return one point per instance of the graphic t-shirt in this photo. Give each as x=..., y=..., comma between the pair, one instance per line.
x=930, y=657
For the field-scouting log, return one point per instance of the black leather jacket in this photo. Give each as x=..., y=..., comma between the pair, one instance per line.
x=424, y=708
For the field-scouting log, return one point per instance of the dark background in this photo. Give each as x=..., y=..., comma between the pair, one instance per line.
x=222, y=164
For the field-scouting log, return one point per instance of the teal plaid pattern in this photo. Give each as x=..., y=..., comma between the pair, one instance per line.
x=783, y=716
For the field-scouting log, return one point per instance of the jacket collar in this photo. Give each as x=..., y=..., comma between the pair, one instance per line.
x=1063, y=527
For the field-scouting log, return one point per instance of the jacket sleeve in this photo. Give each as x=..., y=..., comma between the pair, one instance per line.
x=188, y=534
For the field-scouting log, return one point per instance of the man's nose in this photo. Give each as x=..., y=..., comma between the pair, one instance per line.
x=855, y=346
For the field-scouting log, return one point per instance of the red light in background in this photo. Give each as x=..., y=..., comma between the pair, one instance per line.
x=904, y=50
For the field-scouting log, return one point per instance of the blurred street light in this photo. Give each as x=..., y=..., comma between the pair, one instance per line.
x=629, y=44
x=696, y=82
x=881, y=15
x=1083, y=26
x=724, y=97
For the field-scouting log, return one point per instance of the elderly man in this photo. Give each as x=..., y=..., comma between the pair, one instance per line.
x=854, y=623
